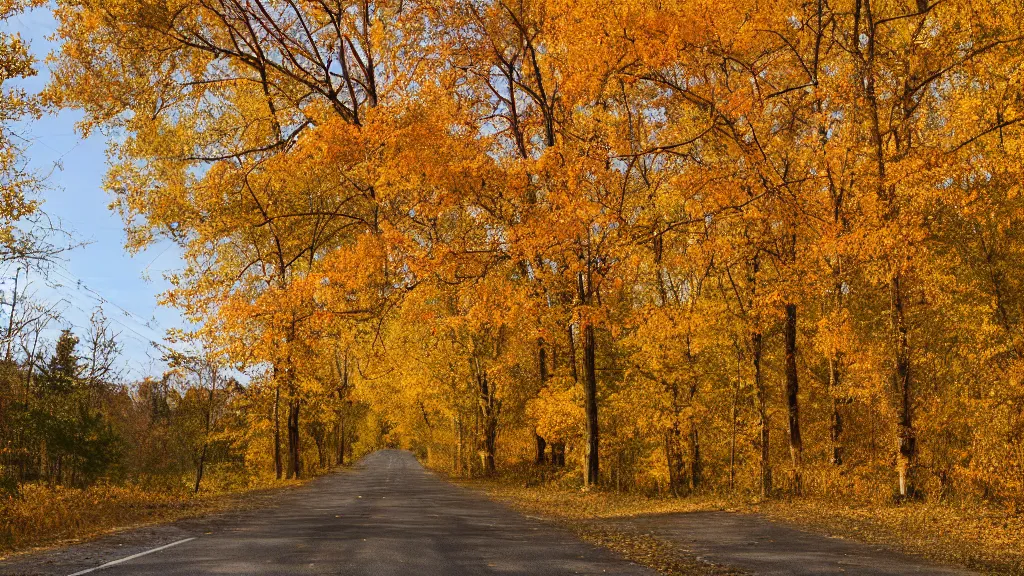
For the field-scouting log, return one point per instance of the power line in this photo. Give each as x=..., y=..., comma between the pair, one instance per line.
x=70, y=277
x=75, y=291
x=145, y=338
x=81, y=289
x=138, y=338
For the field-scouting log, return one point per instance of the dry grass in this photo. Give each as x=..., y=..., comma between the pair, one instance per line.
x=977, y=537
x=576, y=504
x=45, y=515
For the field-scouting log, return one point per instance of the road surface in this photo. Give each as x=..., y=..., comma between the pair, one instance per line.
x=389, y=516
x=756, y=545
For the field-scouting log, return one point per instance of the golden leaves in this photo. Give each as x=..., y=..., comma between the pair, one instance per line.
x=450, y=188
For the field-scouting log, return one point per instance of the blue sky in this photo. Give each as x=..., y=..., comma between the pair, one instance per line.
x=100, y=273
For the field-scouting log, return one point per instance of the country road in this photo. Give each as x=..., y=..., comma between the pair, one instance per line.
x=387, y=517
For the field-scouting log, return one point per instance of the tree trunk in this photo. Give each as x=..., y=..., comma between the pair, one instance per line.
x=732, y=440
x=470, y=467
x=590, y=399
x=792, y=399
x=696, y=465
x=675, y=454
x=488, y=420
x=278, y=467
x=558, y=453
x=321, y=448
x=836, y=425
x=199, y=468
x=209, y=424
x=458, y=446
x=835, y=375
x=487, y=456
x=756, y=341
x=346, y=446
x=906, y=435
x=835, y=361
x=542, y=366
x=558, y=447
x=334, y=443
x=9, y=335
x=342, y=393
x=294, y=458
x=734, y=415
x=572, y=355
x=676, y=461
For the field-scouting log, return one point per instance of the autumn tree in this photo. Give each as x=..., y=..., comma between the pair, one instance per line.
x=654, y=239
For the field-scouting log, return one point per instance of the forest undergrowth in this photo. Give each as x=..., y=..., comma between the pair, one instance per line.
x=41, y=516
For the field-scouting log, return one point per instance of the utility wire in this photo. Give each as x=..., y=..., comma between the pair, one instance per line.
x=70, y=277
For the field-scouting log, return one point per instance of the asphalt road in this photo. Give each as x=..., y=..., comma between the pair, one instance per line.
x=759, y=546
x=389, y=516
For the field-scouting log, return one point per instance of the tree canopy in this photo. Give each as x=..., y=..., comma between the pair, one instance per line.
x=656, y=245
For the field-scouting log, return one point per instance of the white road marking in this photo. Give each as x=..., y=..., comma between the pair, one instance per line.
x=132, y=557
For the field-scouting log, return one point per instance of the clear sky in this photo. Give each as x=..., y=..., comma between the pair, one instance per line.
x=101, y=273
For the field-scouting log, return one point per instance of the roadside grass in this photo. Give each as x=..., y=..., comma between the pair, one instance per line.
x=41, y=516
x=975, y=536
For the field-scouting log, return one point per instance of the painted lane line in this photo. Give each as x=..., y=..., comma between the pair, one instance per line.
x=132, y=557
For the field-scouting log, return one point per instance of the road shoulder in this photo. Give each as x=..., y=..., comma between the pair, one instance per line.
x=68, y=556
x=713, y=536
